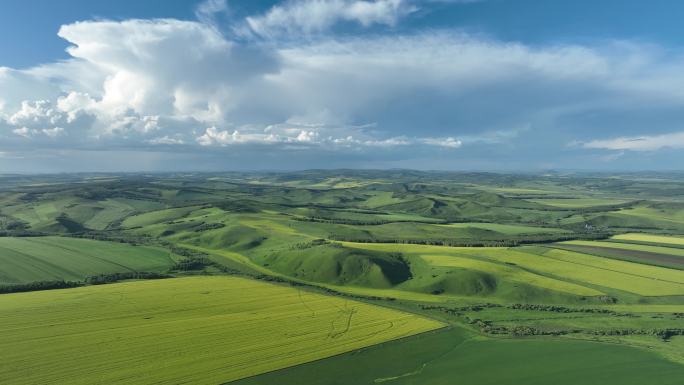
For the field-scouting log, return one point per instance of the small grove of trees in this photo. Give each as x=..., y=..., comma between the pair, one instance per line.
x=308, y=245
x=194, y=260
x=208, y=226
x=11, y=227
x=192, y=263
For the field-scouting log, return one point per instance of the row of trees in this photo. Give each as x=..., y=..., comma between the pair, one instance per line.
x=38, y=285
x=115, y=277
x=664, y=334
x=524, y=306
x=517, y=331
x=347, y=221
x=563, y=309
x=489, y=327
x=462, y=309
x=90, y=280
x=504, y=242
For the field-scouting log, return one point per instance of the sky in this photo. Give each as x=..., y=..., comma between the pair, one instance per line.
x=213, y=85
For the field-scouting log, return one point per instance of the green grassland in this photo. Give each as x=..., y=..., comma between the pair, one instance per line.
x=657, y=212
x=24, y=260
x=646, y=216
x=203, y=330
x=560, y=272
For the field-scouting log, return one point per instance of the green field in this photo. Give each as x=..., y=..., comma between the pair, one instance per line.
x=455, y=357
x=621, y=275
x=651, y=253
x=504, y=272
x=629, y=246
x=650, y=238
x=192, y=330
x=30, y=259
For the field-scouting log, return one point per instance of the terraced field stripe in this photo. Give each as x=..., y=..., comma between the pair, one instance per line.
x=622, y=275
x=651, y=238
x=638, y=256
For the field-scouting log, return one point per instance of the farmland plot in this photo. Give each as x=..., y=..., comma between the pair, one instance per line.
x=29, y=259
x=199, y=330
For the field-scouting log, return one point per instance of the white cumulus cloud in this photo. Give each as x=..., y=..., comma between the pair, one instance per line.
x=639, y=143
x=310, y=16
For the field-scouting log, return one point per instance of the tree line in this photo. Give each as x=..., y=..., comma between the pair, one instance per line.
x=89, y=280
x=39, y=285
x=509, y=242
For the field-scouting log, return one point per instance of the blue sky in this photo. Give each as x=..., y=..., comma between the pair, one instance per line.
x=431, y=84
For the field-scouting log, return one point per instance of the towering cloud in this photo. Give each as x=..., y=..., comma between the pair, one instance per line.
x=154, y=85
